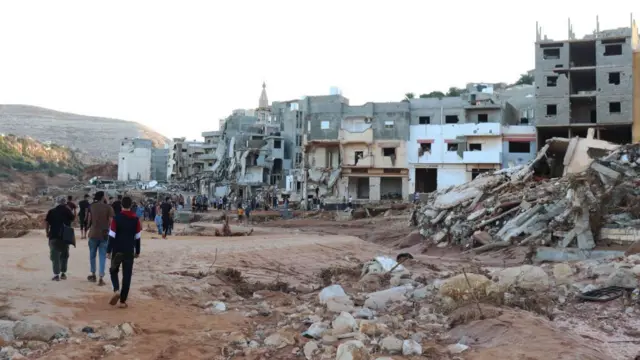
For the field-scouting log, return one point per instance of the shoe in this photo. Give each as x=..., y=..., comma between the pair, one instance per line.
x=92, y=277
x=63, y=276
x=55, y=278
x=114, y=298
x=123, y=305
x=101, y=282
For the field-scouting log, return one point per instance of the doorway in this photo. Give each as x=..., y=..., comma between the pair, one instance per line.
x=426, y=180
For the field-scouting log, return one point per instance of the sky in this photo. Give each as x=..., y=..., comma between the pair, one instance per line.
x=179, y=66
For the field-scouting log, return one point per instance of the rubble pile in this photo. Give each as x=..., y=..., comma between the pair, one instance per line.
x=596, y=190
x=17, y=222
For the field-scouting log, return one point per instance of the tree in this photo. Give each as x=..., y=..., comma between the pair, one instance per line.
x=433, y=94
x=525, y=79
x=409, y=96
x=454, y=92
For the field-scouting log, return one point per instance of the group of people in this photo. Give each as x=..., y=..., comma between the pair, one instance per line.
x=113, y=229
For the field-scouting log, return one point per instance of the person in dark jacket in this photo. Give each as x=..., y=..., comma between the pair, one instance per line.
x=124, y=246
x=56, y=220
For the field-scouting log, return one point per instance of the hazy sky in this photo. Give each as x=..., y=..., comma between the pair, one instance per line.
x=179, y=66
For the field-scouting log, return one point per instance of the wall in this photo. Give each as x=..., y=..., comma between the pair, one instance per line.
x=134, y=165
x=159, y=161
x=253, y=175
x=521, y=133
x=636, y=97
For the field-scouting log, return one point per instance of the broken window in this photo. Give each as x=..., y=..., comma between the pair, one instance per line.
x=388, y=151
x=388, y=124
x=615, y=107
x=613, y=49
x=476, y=172
x=483, y=118
x=424, y=120
x=552, y=109
x=298, y=140
x=277, y=144
x=519, y=147
x=210, y=164
x=551, y=54
x=426, y=147
x=451, y=119
x=298, y=158
x=524, y=121
x=358, y=155
x=614, y=78
x=325, y=125
x=452, y=147
x=552, y=81
x=475, y=147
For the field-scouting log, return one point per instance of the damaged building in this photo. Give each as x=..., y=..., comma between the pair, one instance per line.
x=184, y=159
x=586, y=83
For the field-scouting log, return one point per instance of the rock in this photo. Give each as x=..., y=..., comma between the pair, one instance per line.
x=254, y=344
x=112, y=333
x=372, y=282
x=343, y=323
x=400, y=280
x=108, y=349
x=562, y=273
x=37, y=345
x=309, y=349
x=37, y=328
x=316, y=330
x=457, y=287
x=238, y=339
x=279, y=340
x=379, y=300
x=410, y=347
x=607, y=328
x=6, y=331
x=18, y=356
x=439, y=236
x=127, y=329
x=622, y=277
x=476, y=215
x=7, y=352
x=482, y=237
x=636, y=269
x=339, y=304
x=352, y=350
x=215, y=307
x=527, y=277
x=364, y=313
x=373, y=328
x=599, y=270
x=391, y=344
x=457, y=348
x=330, y=292
x=329, y=339
x=421, y=293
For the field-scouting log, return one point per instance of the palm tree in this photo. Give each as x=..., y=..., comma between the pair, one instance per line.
x=409, y=96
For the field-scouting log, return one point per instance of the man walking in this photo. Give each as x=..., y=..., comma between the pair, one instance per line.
x=100, y=216
x=56, y=220
x=124, y=246
x=165, y=209
x=83, y=216
x=117, y=205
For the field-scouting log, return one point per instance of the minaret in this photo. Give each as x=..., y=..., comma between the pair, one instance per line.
x=263, y=105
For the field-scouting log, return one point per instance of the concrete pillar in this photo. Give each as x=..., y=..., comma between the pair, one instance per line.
x=635, y=128
x=405, y=188
x=374, y=188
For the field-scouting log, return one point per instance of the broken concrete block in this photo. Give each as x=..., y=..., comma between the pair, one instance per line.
x=526, y=277
x=605, y=170
x=585, y=240
x=454, y=198
x=482, y=237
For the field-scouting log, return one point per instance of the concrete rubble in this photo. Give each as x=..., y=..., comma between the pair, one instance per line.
x=577, y=193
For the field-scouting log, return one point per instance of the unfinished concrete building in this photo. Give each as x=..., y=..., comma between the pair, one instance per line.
x=184, y=161
x=210, y=145
x=134, y=159
x=585, y=83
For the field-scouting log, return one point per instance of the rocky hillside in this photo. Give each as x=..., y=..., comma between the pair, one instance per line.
x=97, y=137
x=26, y=154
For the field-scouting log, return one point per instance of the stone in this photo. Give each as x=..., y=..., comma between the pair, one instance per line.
x=562, y=273
x=607, y=328
x=215, y=307
x=7, y=352
x=391, y=344
x=109, y=348
x=37, y=328
x=421, y=293
x=316, y=330
x=279, y=340
x=364, y=313
x=37, y=345
x=330, y=292
x=527, y=277
x=352, y=350
x=309, y=349
x=623, y=277
x=457, y=348
x=344, y=323
x=329, y=339
x=482, y=237
x=411, y=347
x=373, y=328
x=476, y=215
x=598, y=270
x=457, y=287
x=6, y=331
x=112, y=333
x=127, y=329
x=380, y=299
x=339, y=304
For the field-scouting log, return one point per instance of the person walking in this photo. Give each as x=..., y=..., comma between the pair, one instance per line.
x=100, y=216
x=124, y=246
x=117, y=205
x=165, y=210
x=57, y=218
x=83, y=205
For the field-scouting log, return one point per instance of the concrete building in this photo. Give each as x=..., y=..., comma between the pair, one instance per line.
x=454, y=139
x=586, y=83
x=210, y=146
x=134, y=160
x=159, y=162
x=184, y=159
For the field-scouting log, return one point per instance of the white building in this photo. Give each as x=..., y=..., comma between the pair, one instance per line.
x=134, y=160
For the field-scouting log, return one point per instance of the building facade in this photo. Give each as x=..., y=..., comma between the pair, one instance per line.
x=159, y=161
x=134, y=160
x=184, y=159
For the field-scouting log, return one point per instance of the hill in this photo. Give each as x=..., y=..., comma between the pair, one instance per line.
x=26, y=154
x=97, y=137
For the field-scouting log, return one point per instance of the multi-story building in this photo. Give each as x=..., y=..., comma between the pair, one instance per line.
x=586, y=83
x=210, y=146
x=134, y=160
x=159, y=161
x=184, y=159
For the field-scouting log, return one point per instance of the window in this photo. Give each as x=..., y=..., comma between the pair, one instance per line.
x=475, y=147
x=483, y=118
x=388, y=124
x=424, y=120
x=325, y=125
x=615, y=107
x=552, y=109
x=451, y=119
x=476, y=172
x=552, y=81
x=277, y=144
x=184, y=150
x=613, y=49
x=614, y=78
x=551, y=54
x=298, y=158
x=519, y=147
x=388, y=151
x=426, y=147
x=298, y=140
x=358, y=155
x=452, y=147
x=210, y=164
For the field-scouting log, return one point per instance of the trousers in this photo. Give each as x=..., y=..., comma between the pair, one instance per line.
x=59, y=255
x=126, y=261
x=98, y=247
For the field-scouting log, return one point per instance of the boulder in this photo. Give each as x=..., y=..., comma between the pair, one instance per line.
x=37, y=328
x=279, y=340
x=343, y=323
x=379, y=300
x=562, y=273
x=309, y=349
x=330, y=292
x=411, y=347
x=623, y=277
x=364, y=313
x=352, y=350
x=391, y=344
x=339, y=304
x=373, y=328
x=316, y=330
x=6, y=331
x=457, y=287
x=525, y=277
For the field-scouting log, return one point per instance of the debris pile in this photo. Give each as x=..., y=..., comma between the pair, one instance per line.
x=594, y=199
x=16, y=221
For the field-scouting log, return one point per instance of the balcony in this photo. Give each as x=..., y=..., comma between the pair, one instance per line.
x=482, y=129
x=210, y=146
x=482, y=157
x=211, y=156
